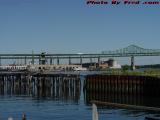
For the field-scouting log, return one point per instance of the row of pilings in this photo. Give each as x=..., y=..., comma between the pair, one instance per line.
x=137, y=90
x=66, y=87
x=111, y=88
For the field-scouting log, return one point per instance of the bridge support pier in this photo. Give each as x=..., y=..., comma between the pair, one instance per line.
x=51, y=61
x=32, y=58
x=132, y=63
x=25, y=60
x=69, y=62
x=91, y=60
x=57, y=61
x=99, y=60
x=33, y=61
x=81, y=62
x=39, y=61
x=0, y=61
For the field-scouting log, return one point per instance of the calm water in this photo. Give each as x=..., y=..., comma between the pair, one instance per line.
x=61, y=107
x=49, y=109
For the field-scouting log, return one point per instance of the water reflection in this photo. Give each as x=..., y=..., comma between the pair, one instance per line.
x=62, y=88
x=121, y=98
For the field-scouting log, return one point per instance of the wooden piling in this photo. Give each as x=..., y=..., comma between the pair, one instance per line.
x=133, y=90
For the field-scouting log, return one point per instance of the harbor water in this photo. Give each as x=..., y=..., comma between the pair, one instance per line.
x=63, y=105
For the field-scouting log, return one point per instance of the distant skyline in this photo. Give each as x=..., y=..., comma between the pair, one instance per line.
x=72, y=26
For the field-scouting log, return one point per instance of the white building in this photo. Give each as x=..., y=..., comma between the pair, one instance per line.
x=115, y=65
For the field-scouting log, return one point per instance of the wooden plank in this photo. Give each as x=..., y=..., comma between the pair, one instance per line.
x=126, y=106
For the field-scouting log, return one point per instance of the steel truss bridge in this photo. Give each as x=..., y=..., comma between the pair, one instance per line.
x=130, y=51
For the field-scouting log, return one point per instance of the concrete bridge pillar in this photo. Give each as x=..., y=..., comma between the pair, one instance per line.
x=81, y=62
x=0, y=61
x=132, y=63
x=99, y=60
x=32, y=58
x=57, y=61
x=91, y=60
x=69, y=62
x=39, y=61
x=51, y=61
x=25, y=60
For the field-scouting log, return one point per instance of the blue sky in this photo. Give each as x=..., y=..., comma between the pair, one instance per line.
x=71, y=26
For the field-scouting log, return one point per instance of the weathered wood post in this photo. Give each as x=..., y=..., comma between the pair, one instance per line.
x=53, y=86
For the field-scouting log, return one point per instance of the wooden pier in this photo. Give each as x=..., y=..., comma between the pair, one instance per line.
x=62, y=86
x=121, y=84
x=134, y=90
x=108, y=88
